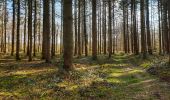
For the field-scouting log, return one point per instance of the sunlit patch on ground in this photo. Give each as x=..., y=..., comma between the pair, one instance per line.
x=118, y=78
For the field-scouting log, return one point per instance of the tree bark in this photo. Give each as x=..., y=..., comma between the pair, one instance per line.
x=143, y=36
x=46, y=30
x=94, y=31
x=30, y=28
x=18, y=32
x=13, y=28
x=67, y=34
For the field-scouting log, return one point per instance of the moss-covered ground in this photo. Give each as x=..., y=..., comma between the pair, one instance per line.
x=122, y=77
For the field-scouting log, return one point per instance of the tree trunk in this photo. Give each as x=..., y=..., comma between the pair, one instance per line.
x=30, y=28
x=53, y=29
x=18, y=32
x=160, y=33
x=79, y=33
x=46, y=30
x=35, y=26
x=94, y=32
x=75, y=27
x=148, y=28
x=5, y=26
x=143, y=36
x=13, y=28
x=85, y=32
x=104, y=26
x=110, y=29
x=67, y=34
x=25, y=25
x=165, y=27
x=169, y=25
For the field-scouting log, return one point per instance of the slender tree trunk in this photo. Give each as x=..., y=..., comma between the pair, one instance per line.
x=94, y=32
x=168, y=2
x=67, y=34
x=13, y=28
x=46, y=30
x=18, y=32
x=104, y=26
x=79, y=33
x=35, y=26
x=25, y=25
x=110, y=29
x=160, y=33
x=165, y=26
x=114, y=39
x=143, y=36
x=124, y=28
x=85, y=32
x=148, y=28
x=30, y=28
x=135, y=33
x=100, y=26
x=53, y=29
x=5, y=26
x=75, y=27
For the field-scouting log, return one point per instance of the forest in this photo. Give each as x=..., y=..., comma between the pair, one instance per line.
x=84, y=49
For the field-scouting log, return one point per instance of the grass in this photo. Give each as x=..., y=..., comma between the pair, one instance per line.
x=123, y=77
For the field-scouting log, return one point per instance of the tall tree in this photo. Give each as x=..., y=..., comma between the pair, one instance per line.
x=46, y=30
x=13, y=28
x=67, y=34
x=18, y=32
x=104, y=26
x=143, y=36
x=94, y=30
x=148, y=28
x=168, y=2
x=165, y=27
x=110, y=29
x=30, y=28
x=79, y=32
x=5, y=26
x=160, y=32
x=85, y=32
x=134, y=25
x=35, y=26
x=53, y=29
x=25, y=26
x=124, y=26
x=75, y=27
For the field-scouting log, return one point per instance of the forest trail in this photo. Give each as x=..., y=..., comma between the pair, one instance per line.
x=119, y=78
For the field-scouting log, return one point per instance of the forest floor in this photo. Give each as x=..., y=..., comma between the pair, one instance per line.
x=123, y=77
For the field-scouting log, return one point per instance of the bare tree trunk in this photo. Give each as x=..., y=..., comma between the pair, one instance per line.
x=25, y=25
x=18, y=32
x=13, y=28
x=143, y=36
x=67, y=34
x=94, y=32
x=75, y=27
x=85, y=32
x=5, y=26
x=110, y=29
x=53, y=29
x=46, y=30
x=30, y=28
x=160, y=33
x=35, y=26
x=104, y=26
x=169, y=25
x=148, y=28
x=79, y=33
